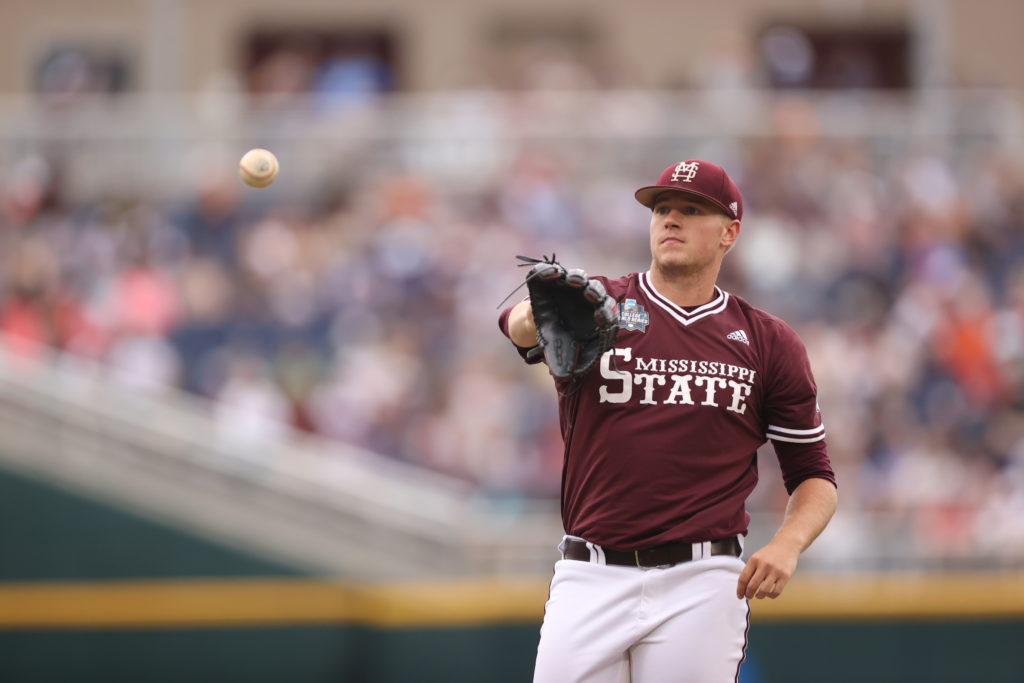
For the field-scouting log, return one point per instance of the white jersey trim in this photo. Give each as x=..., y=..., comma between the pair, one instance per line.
x=815, y=430
x=797, y=435
x=716, y=305
x=776, y=437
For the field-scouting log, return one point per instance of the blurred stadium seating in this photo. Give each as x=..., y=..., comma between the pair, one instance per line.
x=313, y=374
x=357, y=301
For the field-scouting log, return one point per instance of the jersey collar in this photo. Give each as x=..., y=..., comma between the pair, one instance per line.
x=716, y=305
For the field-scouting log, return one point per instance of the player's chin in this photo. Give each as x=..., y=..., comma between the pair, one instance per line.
x=673, y=260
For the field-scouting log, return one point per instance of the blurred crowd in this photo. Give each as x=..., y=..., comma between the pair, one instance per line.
x=369, y=314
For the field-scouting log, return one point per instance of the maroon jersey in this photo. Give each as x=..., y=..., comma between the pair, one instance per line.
x=661, y=438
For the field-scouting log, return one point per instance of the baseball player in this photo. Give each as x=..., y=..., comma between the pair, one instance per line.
x=660, y=454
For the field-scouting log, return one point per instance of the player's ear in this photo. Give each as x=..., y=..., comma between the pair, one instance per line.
x=730, y=234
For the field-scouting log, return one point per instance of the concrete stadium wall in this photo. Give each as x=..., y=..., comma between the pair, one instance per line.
x=190, y=44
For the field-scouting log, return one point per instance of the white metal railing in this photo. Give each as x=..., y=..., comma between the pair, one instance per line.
x=159, y=145
x=483, y=114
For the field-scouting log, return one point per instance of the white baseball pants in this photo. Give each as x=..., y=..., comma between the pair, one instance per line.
x=612, y=624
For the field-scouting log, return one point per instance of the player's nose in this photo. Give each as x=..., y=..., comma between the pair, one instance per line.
x=673, y=219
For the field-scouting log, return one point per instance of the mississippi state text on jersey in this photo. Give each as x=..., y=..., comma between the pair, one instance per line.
x=661, y=438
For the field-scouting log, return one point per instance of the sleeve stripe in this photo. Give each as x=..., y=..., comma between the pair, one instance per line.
x=783, y=430
x=776, y=437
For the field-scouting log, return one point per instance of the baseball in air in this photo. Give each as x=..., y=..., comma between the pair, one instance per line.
x=258, y=167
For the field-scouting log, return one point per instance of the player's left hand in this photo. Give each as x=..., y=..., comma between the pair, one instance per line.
x=575, y=319
x=767, y=571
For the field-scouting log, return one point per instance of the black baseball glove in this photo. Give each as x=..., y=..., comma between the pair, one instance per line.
x=576, y=319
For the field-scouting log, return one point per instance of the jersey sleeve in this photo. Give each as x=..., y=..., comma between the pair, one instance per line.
x=793, y=421
x=523, y=350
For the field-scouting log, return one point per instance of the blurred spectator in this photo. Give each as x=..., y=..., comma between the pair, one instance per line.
x=351, y=76
x=212, y=222
x=67, y=74
x=251, y=412
x=37, y=311
x=283, y=73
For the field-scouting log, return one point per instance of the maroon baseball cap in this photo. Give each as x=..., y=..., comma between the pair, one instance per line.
x=701, y=178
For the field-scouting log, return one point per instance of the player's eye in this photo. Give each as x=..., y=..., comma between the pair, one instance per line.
x=686, y=210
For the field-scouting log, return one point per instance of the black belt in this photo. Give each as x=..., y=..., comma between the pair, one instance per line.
x=658, y=556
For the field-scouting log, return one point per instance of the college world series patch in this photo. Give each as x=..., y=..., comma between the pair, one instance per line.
x=633, y=317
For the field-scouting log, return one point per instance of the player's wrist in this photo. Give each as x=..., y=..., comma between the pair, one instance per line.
x=789, y=543
x=521, y=328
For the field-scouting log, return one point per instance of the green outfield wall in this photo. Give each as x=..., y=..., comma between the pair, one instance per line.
x=49, y=533
x=91, y=593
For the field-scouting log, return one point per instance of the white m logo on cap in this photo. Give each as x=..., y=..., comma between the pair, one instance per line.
x=685, y=172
